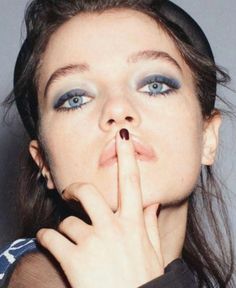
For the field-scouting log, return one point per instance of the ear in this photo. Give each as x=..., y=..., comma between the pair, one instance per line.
x=211, y=138
x=36, y=155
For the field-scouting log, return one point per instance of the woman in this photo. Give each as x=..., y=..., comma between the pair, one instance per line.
x=131, y=160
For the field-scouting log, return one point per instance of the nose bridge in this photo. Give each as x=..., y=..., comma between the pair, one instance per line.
x=118, y=110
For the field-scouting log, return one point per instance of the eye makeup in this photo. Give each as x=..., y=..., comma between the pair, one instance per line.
x=156, y=85
x=75, y=93
x=169, y=81
x=159, y=85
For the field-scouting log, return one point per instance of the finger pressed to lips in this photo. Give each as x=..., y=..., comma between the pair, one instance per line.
x=130, y=197
x=129, y=189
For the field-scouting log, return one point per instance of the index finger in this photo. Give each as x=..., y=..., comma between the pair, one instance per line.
x=129, y=186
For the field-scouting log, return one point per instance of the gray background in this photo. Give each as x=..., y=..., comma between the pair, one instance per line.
x=217, y=20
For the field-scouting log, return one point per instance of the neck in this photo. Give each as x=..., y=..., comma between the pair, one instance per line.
x=172, y=224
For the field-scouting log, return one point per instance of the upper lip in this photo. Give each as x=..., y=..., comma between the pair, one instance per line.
x=143, y=150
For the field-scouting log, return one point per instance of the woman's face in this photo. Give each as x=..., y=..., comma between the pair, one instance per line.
x=124, y=72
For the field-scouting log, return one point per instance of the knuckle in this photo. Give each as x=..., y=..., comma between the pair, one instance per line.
x=46, y=236
x=69, y=221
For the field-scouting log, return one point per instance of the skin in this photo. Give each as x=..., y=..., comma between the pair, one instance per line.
x=171, y=124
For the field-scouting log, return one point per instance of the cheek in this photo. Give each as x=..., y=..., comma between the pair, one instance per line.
x=183, y=157
x=178, y=142
x=69, y=151
x=184, y=142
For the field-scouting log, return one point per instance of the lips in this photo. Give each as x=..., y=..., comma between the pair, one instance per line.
x=142, y=152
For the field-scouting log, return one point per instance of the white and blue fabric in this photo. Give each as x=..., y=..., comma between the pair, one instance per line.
x=11, y=253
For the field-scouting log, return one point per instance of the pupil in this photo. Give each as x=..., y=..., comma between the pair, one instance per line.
x=76, y=100
x=155, y=86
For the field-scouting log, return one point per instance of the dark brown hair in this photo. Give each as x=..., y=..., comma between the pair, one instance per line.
x=208, y=248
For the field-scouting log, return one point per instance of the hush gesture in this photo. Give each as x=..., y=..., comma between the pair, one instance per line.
x=121, y=249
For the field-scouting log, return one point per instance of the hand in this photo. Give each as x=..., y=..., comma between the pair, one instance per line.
x=120, y=249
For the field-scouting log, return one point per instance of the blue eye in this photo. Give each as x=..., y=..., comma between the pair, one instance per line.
x=158, y=85
x=71, y=100
x=156, y=88
x=75, y=101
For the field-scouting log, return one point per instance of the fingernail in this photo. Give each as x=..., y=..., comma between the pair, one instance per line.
x=158, y=210
x=124, y=134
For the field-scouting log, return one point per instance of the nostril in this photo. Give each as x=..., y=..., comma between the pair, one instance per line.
x=110, y=121
x=129, y=118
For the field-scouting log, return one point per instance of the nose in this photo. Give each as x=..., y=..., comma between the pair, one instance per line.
x=118, y=112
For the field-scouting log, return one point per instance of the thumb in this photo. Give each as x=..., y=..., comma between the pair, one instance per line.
x=151, y=216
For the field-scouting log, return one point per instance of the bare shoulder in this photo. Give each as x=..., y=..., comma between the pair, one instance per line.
x=38, y=270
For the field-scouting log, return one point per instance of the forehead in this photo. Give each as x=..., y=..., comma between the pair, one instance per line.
x=104, y=41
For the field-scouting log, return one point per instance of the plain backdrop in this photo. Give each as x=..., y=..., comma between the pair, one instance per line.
x=218, y=22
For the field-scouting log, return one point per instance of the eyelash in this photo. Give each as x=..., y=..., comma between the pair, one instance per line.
x=171, y=83
x=68, y=96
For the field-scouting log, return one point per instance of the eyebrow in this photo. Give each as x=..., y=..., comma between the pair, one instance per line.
x=134, y=58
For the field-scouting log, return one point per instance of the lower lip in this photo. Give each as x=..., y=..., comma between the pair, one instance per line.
x=113, y=160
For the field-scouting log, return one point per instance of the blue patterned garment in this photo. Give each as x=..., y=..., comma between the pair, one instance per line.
x=11, y=253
